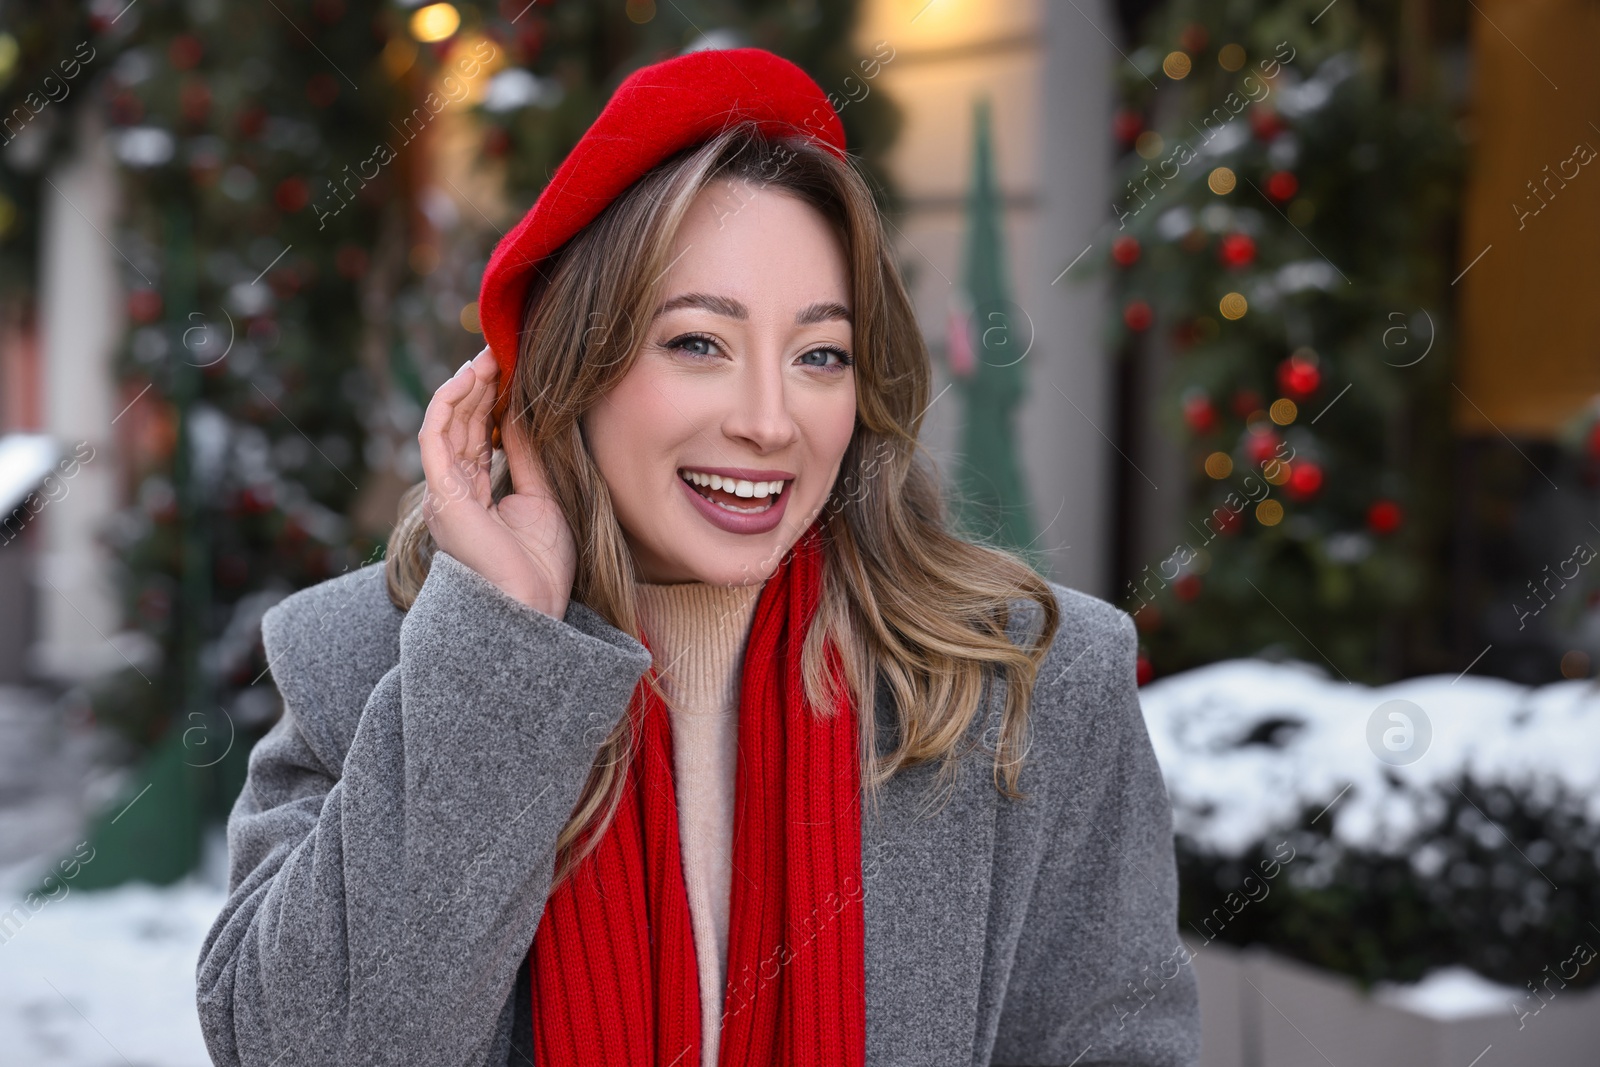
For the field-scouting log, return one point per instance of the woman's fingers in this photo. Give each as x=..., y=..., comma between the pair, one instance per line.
x=444, y=435
x=456, y=429
x=525, y=475
x=468, y=434
x=434, y=439
x=479, y=405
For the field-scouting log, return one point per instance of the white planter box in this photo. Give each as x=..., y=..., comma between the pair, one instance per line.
x=1259, y=1009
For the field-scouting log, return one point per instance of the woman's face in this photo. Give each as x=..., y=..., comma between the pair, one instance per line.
x=744, y=376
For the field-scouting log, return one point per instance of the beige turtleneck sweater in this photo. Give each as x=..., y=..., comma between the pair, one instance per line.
x=698, y=633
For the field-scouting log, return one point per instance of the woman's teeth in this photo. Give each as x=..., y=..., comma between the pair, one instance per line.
x=709, y=484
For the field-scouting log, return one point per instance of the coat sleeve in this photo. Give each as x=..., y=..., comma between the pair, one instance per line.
x=1100, y=976
x=378, y=911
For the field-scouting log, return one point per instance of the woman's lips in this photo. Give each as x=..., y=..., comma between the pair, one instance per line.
x=751, y=522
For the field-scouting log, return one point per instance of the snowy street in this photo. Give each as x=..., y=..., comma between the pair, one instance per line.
x=106, y=979
x=88, y=979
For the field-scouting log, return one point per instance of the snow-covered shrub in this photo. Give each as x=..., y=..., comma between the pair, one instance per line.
x=1465, y=831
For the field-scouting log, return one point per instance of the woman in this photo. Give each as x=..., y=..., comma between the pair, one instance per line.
x=679, y=730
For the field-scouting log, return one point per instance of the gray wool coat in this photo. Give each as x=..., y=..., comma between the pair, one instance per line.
x=392, y=848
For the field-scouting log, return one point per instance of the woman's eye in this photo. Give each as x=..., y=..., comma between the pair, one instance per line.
x=839, y=355
x=694, y=344
x=828, y=357
x=841, y=358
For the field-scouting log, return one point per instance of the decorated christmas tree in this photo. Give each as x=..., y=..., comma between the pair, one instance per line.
x=297, y=282
x=1281, y=239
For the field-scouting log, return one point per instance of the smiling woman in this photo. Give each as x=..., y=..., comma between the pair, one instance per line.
x=672, y=635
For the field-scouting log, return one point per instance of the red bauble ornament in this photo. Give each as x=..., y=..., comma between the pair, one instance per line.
x=184, y=52
x=1187, y=587
x=1127, y=125
x=1199, y=414
x=1236, y=250
x=252, y=120
x=1299, y=377
x=1266, y=123
x=1125, y=251
x=1245, y=401
x=1147, y=618
x=194, y=99
x=1593, y=447
x=126, y=109
x=1305, y=479
x=291, y=195
x=1281, y=186
x=1228, y=522
x=1384, y=517
x=1143, y=672
x=256, y=499
x=1136, y=314
x=1261, y=446
x=144, y=305
x=1193, y=38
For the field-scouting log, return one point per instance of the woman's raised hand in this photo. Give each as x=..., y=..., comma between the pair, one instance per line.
x=523, y=544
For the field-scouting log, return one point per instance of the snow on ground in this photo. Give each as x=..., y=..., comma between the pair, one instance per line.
x=1450, y=993
x=1327, y=736
x=106, y=978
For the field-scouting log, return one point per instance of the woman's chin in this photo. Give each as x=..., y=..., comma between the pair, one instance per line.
x=747, y=566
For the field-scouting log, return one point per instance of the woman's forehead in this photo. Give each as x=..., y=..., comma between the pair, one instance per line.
x=742, y=249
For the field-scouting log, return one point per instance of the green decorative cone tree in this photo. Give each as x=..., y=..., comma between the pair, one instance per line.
x=991, y=501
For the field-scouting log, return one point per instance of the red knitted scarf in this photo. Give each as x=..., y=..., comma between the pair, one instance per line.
x=613, y=960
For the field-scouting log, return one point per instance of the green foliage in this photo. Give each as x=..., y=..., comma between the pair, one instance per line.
x=1460, y=893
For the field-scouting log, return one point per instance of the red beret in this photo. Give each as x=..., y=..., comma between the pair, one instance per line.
x=659, y=110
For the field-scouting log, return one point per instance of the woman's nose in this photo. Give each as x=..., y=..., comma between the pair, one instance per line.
x=761, y=412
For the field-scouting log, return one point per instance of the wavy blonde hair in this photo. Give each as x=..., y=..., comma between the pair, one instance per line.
x=907, y=603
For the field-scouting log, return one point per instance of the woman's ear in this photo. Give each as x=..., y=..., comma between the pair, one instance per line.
x=497, y=416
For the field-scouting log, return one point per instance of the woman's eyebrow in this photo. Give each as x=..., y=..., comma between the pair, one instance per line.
x=822, y=311
x=717, y=305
